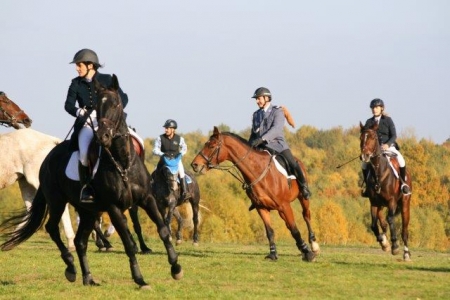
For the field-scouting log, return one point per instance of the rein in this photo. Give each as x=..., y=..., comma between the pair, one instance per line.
x=233, y=170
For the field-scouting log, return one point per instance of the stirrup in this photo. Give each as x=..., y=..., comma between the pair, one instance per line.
x=87, y=194
x=406, y=190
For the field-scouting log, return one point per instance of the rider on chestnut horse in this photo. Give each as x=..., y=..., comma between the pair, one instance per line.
x=387, y=136
x=267, y=132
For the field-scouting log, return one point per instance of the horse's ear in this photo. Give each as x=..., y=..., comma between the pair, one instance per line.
x=216, y=130
x=97, y=86
x=361, y=125
x=115, y=82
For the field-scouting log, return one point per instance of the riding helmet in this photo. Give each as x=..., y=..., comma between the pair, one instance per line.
x=85, y=55
x=262, y=91
x=376, y=102
x=170, y=124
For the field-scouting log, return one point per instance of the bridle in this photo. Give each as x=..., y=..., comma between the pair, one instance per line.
x=113, y=129
x=233, y=168
x=374, y=153
x=10, y=119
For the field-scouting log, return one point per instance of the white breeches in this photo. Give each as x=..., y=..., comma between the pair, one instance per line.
x=181, y=169
x=400, y=159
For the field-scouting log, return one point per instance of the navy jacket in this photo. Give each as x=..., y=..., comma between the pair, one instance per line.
x=83, y=93
x=386, y=130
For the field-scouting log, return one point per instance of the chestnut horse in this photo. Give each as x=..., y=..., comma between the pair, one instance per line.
x=121, y=180
x=267, y=188
x=384, y=187
x=11, y=115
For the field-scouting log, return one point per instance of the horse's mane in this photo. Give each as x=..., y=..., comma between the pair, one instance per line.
x=236, y=136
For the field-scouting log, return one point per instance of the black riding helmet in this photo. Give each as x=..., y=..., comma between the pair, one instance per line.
x=86, y=55
x=170, y=124
x=262, y=91
x=376, y=102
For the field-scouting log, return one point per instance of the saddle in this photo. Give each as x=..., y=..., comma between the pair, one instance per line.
x=93, y=155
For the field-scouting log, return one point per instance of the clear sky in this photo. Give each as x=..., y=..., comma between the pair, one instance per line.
x=199, y=61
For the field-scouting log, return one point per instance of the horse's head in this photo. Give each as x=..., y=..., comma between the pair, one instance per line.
x=209, y=156
x=369, y=144
x=11, y=114
x=170, y=179
x=110, y=113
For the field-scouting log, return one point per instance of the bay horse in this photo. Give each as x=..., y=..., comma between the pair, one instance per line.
x=121, y=180
x=267, y=188
x=11, y=115
x=384, y=189
x=23, y=152
x=166, y=190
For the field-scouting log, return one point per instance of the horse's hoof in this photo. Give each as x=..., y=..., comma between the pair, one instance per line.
x=309, y=257
x=315, y=248
x=179, y=242
x=395, y=251
x=102, y=249
x=195, y=244
x=272, y=257
x=109, y=249
x=70, y=276
x=176, y=272
x=145, y=287
x=407, y=257
x=146, y=251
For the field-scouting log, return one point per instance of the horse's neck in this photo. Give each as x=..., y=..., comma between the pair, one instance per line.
x=249, y=162
x=380, y=163
x=122, y=149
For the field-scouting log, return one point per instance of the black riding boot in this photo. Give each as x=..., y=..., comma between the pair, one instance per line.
x=87, y=192
x=365, y=193
x=405, y=188
x=184, y=189
x=302, y=182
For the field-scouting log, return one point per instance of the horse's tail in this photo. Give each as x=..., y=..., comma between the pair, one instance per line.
x=288, y=117
x=25, y=224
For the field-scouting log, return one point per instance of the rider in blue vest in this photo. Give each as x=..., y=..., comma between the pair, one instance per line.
x=268, y=131
x=172, y=146
x=387, y=136
x=82, y=92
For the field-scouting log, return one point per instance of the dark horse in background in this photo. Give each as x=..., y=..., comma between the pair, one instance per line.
x=166, y=189
x=11, y=115
x=120, y=181
x=384, y=189
x=267, y=188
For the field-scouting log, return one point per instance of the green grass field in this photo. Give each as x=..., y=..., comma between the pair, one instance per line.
x=34, y=270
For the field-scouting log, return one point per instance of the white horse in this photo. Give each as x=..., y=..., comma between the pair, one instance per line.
x=23, y=152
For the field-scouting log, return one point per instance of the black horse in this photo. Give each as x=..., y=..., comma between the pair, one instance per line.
x=166, y=189
x=121, y=181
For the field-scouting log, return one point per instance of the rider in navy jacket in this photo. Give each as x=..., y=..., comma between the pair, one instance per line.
x=81, y=102
x=387, y=136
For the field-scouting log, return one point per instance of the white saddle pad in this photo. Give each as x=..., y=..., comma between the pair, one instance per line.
x=72, y=167
x=280, y=168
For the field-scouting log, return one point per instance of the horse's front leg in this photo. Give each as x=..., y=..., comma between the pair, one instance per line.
x=178, y=234
x=171, y=204
x=307, y=217
x=85, y=228
x=381, y=238
x=151, y=208
x=391, y=221
x=195, y=210
x=119, y=222
x=384, y=227
x=265, y=216
x=288, y=216
x=137, y=228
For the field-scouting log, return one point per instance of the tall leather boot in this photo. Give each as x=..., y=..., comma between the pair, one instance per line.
x=301, y=179
x=365, y=193
x=184, y=189
x=405, y=188
x=87, y=192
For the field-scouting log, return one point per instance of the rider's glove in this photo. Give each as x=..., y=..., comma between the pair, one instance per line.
x=257, y=142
